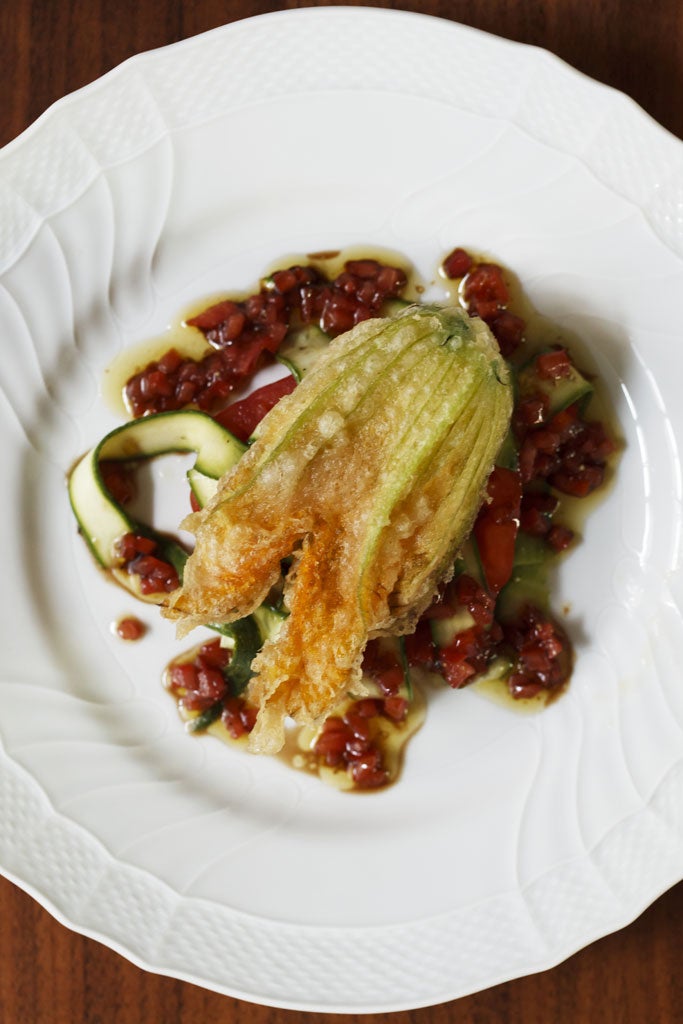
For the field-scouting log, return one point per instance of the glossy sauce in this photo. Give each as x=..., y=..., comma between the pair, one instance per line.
x=391, y=737
x=189, y=341
x=541, y=333
x=299, y=750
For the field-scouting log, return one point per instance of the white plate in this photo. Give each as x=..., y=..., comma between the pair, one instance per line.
x=510, y=841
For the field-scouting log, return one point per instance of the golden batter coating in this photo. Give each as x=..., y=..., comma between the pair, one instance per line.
x=370, y=474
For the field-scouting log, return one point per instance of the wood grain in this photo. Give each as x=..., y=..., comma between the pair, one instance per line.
x=48, y=974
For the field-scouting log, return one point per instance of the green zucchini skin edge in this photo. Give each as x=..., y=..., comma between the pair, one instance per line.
x=101, y=519
x=560, y=393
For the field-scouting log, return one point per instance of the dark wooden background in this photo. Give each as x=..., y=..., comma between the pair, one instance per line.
x=48, y=974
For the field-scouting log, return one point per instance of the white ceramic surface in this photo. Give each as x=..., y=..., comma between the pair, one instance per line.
x=510, y=841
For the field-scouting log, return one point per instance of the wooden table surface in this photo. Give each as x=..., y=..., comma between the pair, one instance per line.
x=47, y=973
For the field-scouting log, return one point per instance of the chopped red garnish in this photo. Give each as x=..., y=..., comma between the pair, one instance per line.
x=542, y=651
x=138, y=558
x=213, y=654
x=331, y=743
x=579, y=482
x=368, y=707
x=554, y=365
x=395, y=708
x=238, y=717
x=531, y=411
x=569, y=452
x=537, y=510
x=201, y=685
x=246, y=334
x=508, y=330
x=130, y=545
x=479, y=603
x=183, y=676
x=457, y=263
x=367, y=770
x=485, y=293
x=119, y=480
x=156, y=576
x=559, y=537
x=216, y=316
x=287, y=281
x=241, y=418
x=455, y=668
x=561, y=451
x=419, y=646
x=346, y=742
x=130, y=628
x=496, y=526
x=211, y=682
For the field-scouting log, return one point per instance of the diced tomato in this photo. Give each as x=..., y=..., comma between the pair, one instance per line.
x=236, y=717
x=530, y=412
x=211, y=653
x=419, y=646
x=368, y=707
x=358, y=724
x=504, y=491
x=478, y=602
x=340, y=312
x=132, y=544
x=457, y=263
x=580, y=483
x=395, y=708
x=211, y=683
x=538, y=508
x=521, y=689
x=156, y=576
x=553, y=365
x=565, y=422
x=241, y=418
x=390, y=680
x=331, y=743
x=367, y=772
x=376, y=658
x=211, y=318
x=542, y=650
x=560, y=537
x=486, y=292
x=455, y=669
x=183, y=676
x=508, y=331
x=119, y=480
x=292, y=278
x=372, y=657
x=130, y=628
x=383, y=665
x=495, y=529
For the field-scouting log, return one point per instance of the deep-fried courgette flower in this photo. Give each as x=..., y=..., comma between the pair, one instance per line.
x=370, y=474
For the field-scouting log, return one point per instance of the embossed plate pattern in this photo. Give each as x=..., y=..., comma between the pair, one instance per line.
x=511, y=840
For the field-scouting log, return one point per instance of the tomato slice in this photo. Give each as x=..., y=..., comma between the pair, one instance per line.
x=495, y=529
x=242, y=418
